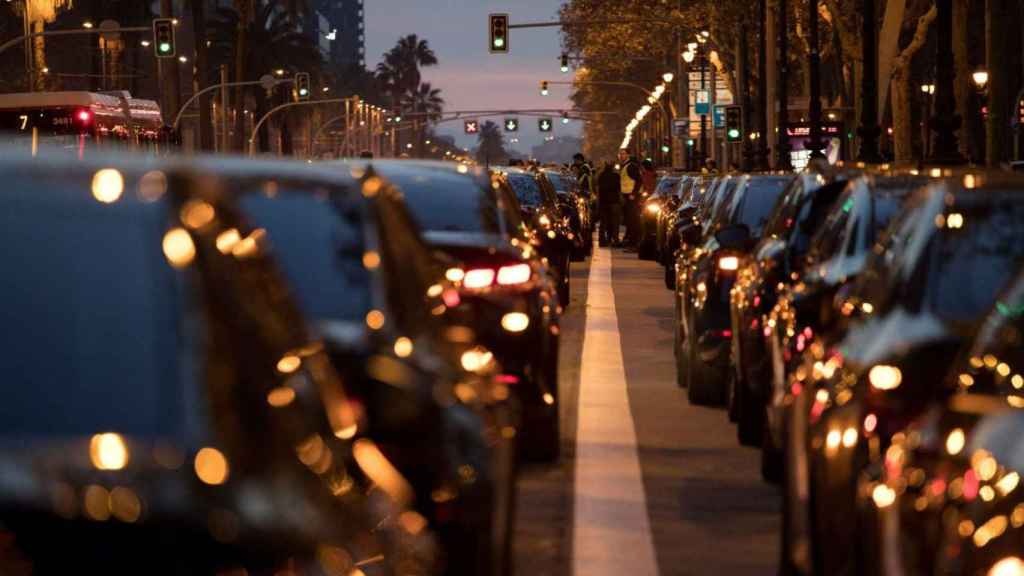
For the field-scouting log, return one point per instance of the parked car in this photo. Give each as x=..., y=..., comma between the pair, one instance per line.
x=736, y=224
x=805, y=313
x=540, y=211
x=650, y=211
x=948, y=499
x=508, y=297
x=777, y=259
x=691, y=196
x=576, y=207
x=965, y=243
x=167, y=410
x=379, y=297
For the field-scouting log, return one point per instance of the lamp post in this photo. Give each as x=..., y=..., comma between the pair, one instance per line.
x=814, y=144
x=762, y=86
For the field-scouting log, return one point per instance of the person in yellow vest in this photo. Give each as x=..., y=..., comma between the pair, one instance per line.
x=629, y=175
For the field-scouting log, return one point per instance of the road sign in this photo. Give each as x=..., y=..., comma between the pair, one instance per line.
x=545, y=125
x=680, y=126
x=511, y=125
x=703, y=102
x=472, y=126
x=719, y=116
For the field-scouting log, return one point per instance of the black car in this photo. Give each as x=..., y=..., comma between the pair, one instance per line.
x=734, y=225
x=167, y=410
x=948, y=497
x=359, y=268
x=691, y=191
x=576, y=207
x=777, y=260
x=964, y=243
x=650, y=213
x=805, y=314
x=541, y=212
x=508, y=297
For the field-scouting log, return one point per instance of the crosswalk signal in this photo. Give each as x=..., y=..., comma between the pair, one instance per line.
x=733, y=123
x=511, y=125
x=302, y=86
x=545, y=125
x=163, y=37
x=544, y=88
x=499, y=33
x=472, y=126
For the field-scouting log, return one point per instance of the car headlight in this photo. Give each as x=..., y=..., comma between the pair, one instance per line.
x=653, y=208
x=1009, y=566
x=544, y=220
x=729, y=263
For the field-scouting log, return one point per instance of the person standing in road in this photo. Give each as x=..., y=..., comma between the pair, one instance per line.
x=609, y=203
x=630, y=183
x=584, y=175
x=648, y=177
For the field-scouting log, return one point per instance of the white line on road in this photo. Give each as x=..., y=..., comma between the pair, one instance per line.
x=611, y=531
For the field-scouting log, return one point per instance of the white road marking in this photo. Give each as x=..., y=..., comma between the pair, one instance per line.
x=611, y=531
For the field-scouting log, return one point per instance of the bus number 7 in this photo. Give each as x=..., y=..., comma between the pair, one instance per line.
x=24, y=121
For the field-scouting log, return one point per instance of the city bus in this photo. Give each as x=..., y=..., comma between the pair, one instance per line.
x=82, y=122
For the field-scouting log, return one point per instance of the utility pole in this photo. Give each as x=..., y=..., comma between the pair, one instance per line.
x=998, y=20
x=762, y=86
x=168, y=71
x=744, y=86
x=198, y=9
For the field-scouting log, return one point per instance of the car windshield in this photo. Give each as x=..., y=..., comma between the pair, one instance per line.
x=560, y=182
x=759, y=198
x=93, y=316
x=666, y=186
x=449, y=203
x=971, y=260
x=320, y=247
x=527, y=189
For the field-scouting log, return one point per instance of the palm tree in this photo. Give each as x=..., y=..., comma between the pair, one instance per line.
x=425, y=104
x=492, y=144
x=399, y=73
x=270, y=41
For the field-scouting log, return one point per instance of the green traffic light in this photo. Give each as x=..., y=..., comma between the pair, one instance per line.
x=499, y=42
x=303, y=92
x=665, y=149
x=734, y=133
x=165, y=47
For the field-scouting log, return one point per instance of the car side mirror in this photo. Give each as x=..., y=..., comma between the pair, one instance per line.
x=734, y=237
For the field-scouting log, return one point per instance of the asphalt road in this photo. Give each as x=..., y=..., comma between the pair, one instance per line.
x=697, y=499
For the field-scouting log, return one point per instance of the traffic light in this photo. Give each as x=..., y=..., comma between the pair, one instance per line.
x=472, y=126
x=163, y=37
x=565, y=63
x=734, y=123
x=499, y=33
x=302, y=86
x=511, y=125
x=545, y=125
x=543, y=87
x=666, y=146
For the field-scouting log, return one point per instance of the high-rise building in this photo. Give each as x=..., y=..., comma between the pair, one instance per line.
x=348, y=44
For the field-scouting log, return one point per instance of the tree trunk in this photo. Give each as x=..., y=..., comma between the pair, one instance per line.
x=962, y=80
x=902, y=131
x=198, y=9
x=998, y=27
x=39, y=57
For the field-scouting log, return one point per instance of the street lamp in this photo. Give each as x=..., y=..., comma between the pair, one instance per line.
x=87, y=24
x=928, y=88
x=688, y=56
x=980, y=78
x=668, y=77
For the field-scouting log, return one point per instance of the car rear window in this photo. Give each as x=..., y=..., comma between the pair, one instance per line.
x=320, y=248
x=92, y=318
x=759, y=199
x=527, y=190
x=560, y=183
x=442, y=202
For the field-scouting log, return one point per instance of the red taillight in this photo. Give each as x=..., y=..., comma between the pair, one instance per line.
x=514, y=274
x=84, y=116
x=506, y=379
x=478, y=278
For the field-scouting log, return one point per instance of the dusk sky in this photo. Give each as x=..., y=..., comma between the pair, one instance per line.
x=471, y=78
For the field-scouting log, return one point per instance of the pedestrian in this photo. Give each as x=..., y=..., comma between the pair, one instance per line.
x=648, y=177
x=609, y=204
x=710, y=167
x=584, y=175
x=630, y=185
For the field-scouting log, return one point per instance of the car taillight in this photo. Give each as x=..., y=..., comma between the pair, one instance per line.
x=478, y=278
x=84, y=116
x=514, y=274
x=728, y=263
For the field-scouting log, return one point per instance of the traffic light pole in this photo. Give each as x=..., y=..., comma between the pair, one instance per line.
x=181, y=113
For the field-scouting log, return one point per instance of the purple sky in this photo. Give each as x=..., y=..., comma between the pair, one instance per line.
x=469, y=76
